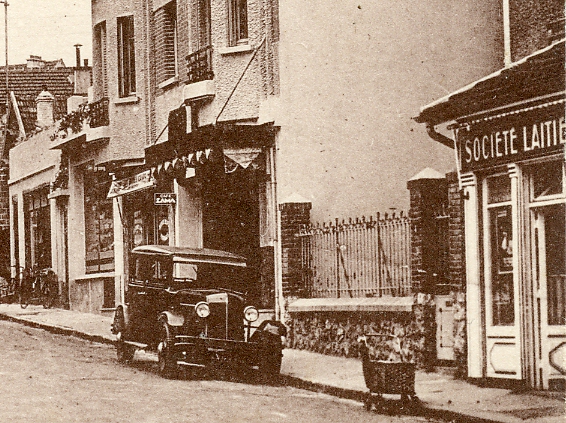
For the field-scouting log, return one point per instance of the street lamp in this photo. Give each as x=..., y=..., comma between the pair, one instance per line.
x=5, y=2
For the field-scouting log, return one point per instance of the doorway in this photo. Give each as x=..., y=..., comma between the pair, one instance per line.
x=548, y=246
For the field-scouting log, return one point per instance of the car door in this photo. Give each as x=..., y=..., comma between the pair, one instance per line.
x=136, y=297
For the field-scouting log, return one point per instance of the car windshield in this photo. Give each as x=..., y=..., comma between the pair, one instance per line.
x=210, y=275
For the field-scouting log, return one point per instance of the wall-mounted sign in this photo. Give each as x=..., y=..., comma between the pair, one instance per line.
x=164, y=199
x=520, y=136
x=137, y=182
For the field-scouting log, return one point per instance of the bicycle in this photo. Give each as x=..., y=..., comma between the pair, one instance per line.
x=38, y=285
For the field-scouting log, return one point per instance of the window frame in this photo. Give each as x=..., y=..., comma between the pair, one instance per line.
x=238, y=30
x=125, y=40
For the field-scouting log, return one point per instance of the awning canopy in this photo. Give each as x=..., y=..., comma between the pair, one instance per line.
x=210, y=137
x=537, y=76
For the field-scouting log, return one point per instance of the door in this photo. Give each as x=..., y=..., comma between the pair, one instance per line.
x=549, y=276
x=444, y=327
x=502, y=320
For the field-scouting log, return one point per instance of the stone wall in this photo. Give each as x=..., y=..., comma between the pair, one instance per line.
x=336, y=333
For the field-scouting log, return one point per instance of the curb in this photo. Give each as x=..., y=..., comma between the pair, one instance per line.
x=285, y=380
x=360, y=396
x=59, y=330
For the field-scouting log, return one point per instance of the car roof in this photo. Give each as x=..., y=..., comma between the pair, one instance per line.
x=192, y=255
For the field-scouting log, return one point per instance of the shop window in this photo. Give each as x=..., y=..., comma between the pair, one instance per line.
x=502, y=291
x=547, y=180
x=37, y=228
x=238, y=21
x=555, y=240
x=126, y=57
x=498, y=189
x=99, y=225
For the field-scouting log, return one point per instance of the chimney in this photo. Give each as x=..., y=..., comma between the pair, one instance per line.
x=78, y=54
x=86, y=63
x=35, y=62
x=45, y=101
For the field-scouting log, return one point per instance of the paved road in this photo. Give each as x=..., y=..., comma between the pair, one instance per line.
x=52, y=378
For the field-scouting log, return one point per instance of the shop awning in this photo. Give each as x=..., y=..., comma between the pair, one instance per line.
x=193, y=147
x=538, y=76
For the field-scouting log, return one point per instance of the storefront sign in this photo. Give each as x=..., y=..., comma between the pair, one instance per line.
x=134, y=183
x=164, y=199
x=512, y=138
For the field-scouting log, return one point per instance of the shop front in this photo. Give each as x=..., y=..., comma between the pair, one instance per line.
x=144, y=210
x=224, y=194
x=510, y=134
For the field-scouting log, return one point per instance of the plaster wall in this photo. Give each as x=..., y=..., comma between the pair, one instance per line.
x=127, y=115
x=33, y=156
x=353, y=74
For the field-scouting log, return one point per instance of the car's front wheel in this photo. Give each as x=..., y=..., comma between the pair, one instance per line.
x=168, y=366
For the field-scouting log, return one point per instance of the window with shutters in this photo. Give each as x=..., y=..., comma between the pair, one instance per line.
x=100, y=61
x=238, y=22
x=165, y=19
x=126, y=57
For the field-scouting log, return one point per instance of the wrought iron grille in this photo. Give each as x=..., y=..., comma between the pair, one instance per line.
x=98, y=113
x=358, y=258
x=199, y=65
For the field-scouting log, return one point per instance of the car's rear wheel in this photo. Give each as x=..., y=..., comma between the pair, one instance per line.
x=168, y=366
x=124, y=352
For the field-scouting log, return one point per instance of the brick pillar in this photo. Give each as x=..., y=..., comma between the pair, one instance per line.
x=457, y=271
x=428, y=199
x=293, y=214
x=4, y=221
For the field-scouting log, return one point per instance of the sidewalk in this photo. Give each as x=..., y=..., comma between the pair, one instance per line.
x=442, y=396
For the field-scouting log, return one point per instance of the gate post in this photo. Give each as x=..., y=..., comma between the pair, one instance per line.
x=295, y=211
x=428, y=198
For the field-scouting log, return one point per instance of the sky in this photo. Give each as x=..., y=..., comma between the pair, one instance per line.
x=46, y=28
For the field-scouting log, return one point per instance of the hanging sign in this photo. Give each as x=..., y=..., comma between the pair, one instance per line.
x=164, y=199
x=535, y=133
x=134, y=183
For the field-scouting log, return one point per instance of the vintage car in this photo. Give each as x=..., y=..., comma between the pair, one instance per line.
x=189, y=305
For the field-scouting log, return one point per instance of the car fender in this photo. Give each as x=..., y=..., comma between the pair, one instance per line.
x=270, y=332
x=172, y=318
x=125, y=311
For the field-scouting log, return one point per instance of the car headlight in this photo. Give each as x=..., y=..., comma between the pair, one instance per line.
x=202, y=309
x=251, y=314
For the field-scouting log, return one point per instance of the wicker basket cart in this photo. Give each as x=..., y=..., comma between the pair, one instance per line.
x=388, y=377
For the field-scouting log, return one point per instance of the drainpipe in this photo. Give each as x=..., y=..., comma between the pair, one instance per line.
x=506, y=34
x=279, y=301
x=437, y=136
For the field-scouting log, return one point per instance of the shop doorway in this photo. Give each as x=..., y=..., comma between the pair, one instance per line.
x=502, y=309
x=548, y=246
x=231, y=217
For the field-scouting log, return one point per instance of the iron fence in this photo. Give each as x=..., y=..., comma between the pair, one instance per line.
x=358, y=258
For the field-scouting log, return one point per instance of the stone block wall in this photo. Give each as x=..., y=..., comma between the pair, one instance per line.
x=336, y=333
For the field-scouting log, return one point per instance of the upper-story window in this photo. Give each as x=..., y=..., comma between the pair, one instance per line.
x=126, y=57
x=165, y=19
x=238, y=21
x=203, y=16
x=100, y=55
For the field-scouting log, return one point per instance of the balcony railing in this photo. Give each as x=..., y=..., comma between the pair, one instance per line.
x=199, y=65
x=98, y=113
